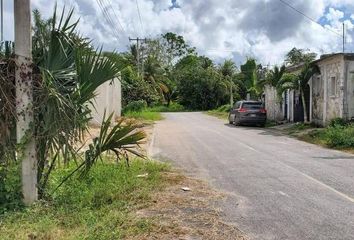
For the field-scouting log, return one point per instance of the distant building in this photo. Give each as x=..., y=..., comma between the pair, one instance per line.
x=330, y=94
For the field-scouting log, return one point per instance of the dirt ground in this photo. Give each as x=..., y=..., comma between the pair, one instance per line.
x=187, y=215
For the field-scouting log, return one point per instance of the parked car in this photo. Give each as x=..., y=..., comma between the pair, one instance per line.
x=248, y=112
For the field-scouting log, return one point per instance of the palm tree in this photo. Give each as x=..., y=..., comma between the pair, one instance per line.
x=273, y=79
x=227, y=70
x=155, y=75
x=299, y=82
x=68, y=72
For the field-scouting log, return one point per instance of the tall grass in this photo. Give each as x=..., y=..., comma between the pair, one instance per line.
x=101, y=206
x=144, y=115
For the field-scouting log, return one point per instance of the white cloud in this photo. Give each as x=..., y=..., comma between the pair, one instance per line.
x=265, y=29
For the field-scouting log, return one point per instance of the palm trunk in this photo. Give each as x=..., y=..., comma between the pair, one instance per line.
x=304, y=106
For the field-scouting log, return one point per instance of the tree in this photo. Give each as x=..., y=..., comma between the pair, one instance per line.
x=297, y=56
x=251, y=75
x=299, y=82
x=273, y=78
x=227, y=70
x=200, y=85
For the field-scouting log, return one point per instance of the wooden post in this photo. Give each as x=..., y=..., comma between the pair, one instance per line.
x=24, y=100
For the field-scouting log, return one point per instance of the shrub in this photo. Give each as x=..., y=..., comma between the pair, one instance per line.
x=340, y=136
x=144, y=115
x=10, y=187
x=338, y=122
x=135, y=106
x=173, y=107
x=224, y=108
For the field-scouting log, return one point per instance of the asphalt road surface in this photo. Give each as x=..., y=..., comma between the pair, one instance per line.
x=279, y=187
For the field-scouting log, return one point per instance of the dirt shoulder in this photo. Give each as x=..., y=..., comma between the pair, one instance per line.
x=193, y=214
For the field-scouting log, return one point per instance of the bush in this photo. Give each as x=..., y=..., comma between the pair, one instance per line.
x=144, y=115
x=173, y=107
x=135, y=106
x=10, y=188
x=340, y=136
x=101, y=206
x=338, y=122
x=224, y=108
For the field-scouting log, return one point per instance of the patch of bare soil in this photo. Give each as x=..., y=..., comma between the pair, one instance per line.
x=191, y=214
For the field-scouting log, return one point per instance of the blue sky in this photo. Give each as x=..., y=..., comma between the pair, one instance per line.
x=220, y=29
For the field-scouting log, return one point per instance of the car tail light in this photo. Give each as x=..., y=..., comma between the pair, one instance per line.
x=242, y=110
x=263, y=110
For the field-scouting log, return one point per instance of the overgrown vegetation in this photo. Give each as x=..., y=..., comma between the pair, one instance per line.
x=100, y=206
x=66, y=73
x=339, y=134
x=221, y=112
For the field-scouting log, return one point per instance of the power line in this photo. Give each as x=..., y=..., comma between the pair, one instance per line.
x=141, y=22
x=309, y=18
x=108, y=19
x=108, y=15
x=116, y=16
x=114, y=31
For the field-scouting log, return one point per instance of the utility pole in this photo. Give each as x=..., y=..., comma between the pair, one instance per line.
x=24, y=100
x=2, y=19
x=231, y=93
x=343, y=38
x=139, y=40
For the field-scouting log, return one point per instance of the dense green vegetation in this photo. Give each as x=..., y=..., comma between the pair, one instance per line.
x=101, y=206
x=339, y=134
x=66, y=73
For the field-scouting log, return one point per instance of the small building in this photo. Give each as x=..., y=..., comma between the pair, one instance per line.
x=329, y=95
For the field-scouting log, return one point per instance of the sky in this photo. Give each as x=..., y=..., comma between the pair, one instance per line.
x=220, y=29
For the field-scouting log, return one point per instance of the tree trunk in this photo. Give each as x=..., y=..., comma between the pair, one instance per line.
x=304, y=106
x=24, y=100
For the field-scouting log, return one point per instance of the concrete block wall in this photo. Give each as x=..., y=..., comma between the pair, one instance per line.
x=109, y=98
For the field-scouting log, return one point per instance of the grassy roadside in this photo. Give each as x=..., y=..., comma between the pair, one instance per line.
x=143, y=201
x=138, y=110
x=338, y=136
x=99, y=207
x=144, y=115
x=218, y=114
x=221, y=112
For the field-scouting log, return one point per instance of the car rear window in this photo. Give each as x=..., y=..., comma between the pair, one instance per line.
x=255, y=105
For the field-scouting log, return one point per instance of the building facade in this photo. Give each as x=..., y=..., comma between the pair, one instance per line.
x=329, y=94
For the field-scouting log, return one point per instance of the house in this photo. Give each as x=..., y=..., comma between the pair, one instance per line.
x=329, y=95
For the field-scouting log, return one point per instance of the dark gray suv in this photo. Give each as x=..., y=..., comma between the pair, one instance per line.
x=248, y=112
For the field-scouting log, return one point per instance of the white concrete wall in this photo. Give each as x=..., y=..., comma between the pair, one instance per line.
x=109, y=98
x=332, y=103
x=273, y=105
x=350, y=88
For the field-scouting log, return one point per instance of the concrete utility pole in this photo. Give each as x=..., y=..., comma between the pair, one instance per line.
x=138, y=40
x=24, y=100
x=343, y=38
x=2, y=19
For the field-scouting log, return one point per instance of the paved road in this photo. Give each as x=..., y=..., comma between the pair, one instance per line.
x=280, y=188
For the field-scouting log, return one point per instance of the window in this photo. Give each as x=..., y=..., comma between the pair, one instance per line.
x=252, y=105
x=333, y=86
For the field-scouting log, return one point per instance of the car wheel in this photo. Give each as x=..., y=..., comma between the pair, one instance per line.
x=230, y=121
x=236, y=123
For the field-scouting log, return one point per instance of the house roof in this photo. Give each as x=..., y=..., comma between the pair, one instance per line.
x=347, y=56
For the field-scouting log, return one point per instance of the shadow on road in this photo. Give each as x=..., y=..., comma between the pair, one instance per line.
x=263, y=131
x=335, y=157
